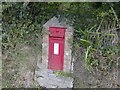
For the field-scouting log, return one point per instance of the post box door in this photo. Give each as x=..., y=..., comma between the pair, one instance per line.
x=56, y=48
x=56, y=53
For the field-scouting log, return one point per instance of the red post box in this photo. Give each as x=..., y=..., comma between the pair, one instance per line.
x=56, y=48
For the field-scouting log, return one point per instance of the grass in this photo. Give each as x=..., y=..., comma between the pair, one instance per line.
x=19, y=71
x=0, y=50
x=61, y=73
x=0, y=69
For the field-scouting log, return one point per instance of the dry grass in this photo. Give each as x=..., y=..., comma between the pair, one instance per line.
x=19, y=72
x=102, y=77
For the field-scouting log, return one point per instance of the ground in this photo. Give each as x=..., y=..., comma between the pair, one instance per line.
x=19, y=72
x=84, y=78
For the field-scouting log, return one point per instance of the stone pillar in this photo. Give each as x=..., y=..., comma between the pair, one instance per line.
x=54, y=22
x=68, y=67
x=45, y=46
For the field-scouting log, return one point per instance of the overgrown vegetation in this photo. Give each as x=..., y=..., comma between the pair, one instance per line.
x=95, y=34
x=100, y=36
x=60, y=73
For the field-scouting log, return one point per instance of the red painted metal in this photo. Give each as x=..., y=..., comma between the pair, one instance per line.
x=56, y=48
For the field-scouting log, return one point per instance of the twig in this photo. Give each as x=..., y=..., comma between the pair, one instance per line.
x=116, y=17
x=114, y=14
x=100, y=25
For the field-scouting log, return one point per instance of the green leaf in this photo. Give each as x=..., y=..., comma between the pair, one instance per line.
x=109, y=34
x=85, y=43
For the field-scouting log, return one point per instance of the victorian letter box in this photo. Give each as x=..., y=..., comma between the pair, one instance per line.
x=56, y=48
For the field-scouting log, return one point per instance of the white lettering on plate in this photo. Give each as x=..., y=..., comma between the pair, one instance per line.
x=56, y=48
